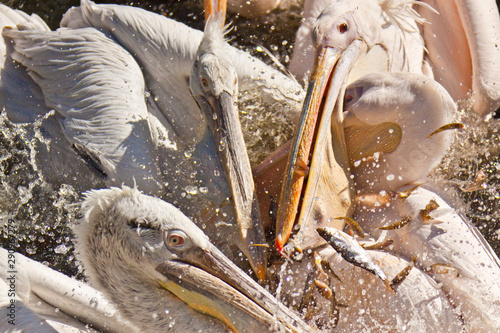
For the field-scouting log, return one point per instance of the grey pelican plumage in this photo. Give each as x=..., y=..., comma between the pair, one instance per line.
x=161, y=144
x=156, y=266
x=214, y=85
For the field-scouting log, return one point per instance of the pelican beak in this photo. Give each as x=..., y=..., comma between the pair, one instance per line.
x=210, y=283
x=213, y=7
x=317, y=184
x=222, y=114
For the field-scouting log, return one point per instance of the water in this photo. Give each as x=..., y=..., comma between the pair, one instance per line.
x=476, y=148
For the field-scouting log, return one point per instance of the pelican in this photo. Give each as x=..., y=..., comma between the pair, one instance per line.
x=162, y=272
x=396, y=131
x=343, y=27
x=214, y=85
x=161, y=143
x=462, y=55
x=389, y=29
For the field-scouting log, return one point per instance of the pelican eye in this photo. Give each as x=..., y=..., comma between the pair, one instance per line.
x=349, y=98
x=343, y=28
x=175, y=239
x=204, y=82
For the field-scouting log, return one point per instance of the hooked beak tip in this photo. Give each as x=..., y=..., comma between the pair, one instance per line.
x=279, y=244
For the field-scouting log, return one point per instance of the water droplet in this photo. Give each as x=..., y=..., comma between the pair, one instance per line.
x=390, y=177
x=61, y=249
x=193, y=190
x=222, y=144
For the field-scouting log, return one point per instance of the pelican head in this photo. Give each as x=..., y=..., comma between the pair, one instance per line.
x=214, y=85
x=162, y=272
x=213, y=74
x=342, y=22
x=318, y=159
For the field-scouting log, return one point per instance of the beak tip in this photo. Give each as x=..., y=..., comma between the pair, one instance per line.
x=279, y=243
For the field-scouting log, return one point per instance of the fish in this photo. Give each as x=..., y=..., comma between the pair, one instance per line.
x=353, y=225
x=352, y=252
x=446, y=127
x=440, y=268
x=397, y=225
x=399, y=278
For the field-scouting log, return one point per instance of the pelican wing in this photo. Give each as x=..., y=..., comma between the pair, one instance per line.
x=462, y=41
x=40, y=290
x=97, y=89
x=16, y=89
x=11, y=18
x=456, y=242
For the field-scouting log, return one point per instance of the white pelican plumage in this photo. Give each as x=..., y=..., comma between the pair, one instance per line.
x=389, y=28
x=397, y=130
x=437, y=232
x=453, y=41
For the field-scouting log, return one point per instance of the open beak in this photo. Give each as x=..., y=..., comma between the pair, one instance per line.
x=226, y=129
x=210, y=283
x=317, y=184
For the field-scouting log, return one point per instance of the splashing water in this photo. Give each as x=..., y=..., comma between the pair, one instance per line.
x=40, y=214
x=265, y=127
x=476, y=149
